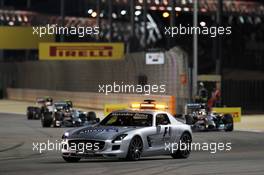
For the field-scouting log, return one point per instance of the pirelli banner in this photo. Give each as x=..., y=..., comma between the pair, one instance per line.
x=81, y=51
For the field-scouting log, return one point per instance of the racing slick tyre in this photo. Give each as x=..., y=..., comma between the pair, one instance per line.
x=135, y=149
x=30, y=112
x=229, y=123
x=183, y=152
x=71, y=159
x=29, y=116
x=189, y=120
x=56, y=120
x=46, y=120
x=91, y=116
x=38, y=114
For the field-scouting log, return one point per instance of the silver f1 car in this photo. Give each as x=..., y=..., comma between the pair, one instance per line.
x=201, y=119
x=127, y=134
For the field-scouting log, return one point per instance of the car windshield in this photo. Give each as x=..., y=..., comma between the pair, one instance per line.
x=127, y=119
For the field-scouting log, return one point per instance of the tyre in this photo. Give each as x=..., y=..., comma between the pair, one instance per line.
x=57, y=118
x=71, y=159
x=229, y=122
x=46, y=120
x=135, y=149
x=38, y=113
x=189, y=120
x=91, y=116
x=183, y=153
x=29, y=116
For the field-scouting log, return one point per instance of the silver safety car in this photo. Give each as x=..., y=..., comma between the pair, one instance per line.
x=128, y=134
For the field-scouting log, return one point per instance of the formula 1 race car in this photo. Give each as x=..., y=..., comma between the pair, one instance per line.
x=128, y=134
x=62, y=114
x=197, y=115
x=35, y=112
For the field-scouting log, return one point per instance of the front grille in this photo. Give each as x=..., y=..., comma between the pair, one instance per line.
x=87, y=145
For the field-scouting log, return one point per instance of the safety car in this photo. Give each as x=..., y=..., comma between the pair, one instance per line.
x=128, y=134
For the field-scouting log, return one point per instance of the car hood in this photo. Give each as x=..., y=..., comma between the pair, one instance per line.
x=99, y=132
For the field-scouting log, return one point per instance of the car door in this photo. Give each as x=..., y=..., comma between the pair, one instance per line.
x=162, y=133
x=163, y=128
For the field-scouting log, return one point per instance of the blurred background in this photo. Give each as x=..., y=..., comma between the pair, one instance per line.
x=235, y=61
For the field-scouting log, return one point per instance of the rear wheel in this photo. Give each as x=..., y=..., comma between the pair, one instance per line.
x=71, y=159
x=189, y=120
x=46, y=120
x=29, y=116
x=184, y=147
x=135, y=149
x=228, y=121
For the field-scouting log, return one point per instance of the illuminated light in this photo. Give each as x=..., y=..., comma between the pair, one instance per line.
x=147, y=105
x=137, y=13
x=178, y=9
x=183, y=1
x=94, y=14
x=135, y=105
x=25, y=18
x=153, y=8
x=169, y=8
x=123, y=12
x=114, y=15
x=19, y=18
x=11, y=23
x=186, y=9
x=202, y=23
x=101, y=15
x=157, y=2
x=203, y=10
x=241, y=19
x=161, y=106
x=90, y=11
x=161, y=8
x=138, y=7
x=165, y=14
x=165, y=2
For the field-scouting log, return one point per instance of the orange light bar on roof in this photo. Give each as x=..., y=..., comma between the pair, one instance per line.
x=135, y=105
x=148, y=106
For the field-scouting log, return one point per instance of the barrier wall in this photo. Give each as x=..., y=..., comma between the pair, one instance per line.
x=86, y=76
x=87, y=99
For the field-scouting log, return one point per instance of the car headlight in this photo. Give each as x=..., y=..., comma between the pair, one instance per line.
x=119, y=138
x=65, y=135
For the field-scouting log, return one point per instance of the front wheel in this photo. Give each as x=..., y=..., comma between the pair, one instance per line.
x=71, y=159
x=184, y=149
x=135, y=149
